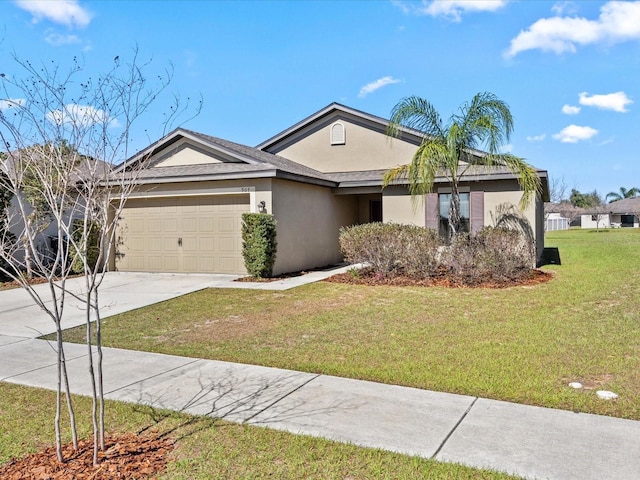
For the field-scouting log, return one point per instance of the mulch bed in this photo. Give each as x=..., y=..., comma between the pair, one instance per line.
x=127, y=456
x=367, y=277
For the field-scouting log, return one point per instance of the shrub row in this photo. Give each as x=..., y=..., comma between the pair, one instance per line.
x=391, y=249
x=493, y=254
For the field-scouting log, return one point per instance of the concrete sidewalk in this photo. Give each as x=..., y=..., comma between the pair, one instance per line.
x=531, y=442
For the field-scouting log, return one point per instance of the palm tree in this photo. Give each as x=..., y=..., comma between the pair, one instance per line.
x=624, y=193
x=451, y=150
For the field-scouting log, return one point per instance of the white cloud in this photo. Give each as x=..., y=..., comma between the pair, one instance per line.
x=570, y=109
x=57, y=39
x=617, y=101
x=373, y=86
x=564, y=8
x=537, y=138
x=81, y=116
x=618, y=22
x=64, y=12
x=8, y=103
x=452, y=9
x=575, y=134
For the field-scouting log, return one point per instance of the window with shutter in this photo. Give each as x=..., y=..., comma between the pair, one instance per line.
x=338, y=134
x=444, y=203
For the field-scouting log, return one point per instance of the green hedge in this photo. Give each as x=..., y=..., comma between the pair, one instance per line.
x=259, y=243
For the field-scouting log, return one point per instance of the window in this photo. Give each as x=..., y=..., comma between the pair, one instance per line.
x=338, y=135
x=627, y=220
x=444, y=202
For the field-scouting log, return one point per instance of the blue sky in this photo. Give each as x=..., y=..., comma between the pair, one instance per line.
x=569, y=71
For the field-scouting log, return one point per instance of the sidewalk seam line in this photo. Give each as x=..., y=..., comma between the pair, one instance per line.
x=281, y=398
x=455, y=427
x=156, y=375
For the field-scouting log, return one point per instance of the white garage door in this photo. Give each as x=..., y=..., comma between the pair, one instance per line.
x=182, y=234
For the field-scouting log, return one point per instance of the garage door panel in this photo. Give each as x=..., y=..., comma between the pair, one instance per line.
x=210, y=228
x=170, y=225
x=206, y=225
x=154, y=225
x=189, y=224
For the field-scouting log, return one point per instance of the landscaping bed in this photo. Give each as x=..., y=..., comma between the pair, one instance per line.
x=370, y=277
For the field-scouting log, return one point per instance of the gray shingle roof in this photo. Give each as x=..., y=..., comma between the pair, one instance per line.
x=627, y=205
x=250, y=162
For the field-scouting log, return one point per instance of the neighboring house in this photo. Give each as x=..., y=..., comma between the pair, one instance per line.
x=47, y=238
x=315, y=177
x=623, y=213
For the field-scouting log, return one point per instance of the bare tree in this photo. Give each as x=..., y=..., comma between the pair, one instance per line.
x=63, y=133
x=599, y=213
x=569, y=211
x=557, y=189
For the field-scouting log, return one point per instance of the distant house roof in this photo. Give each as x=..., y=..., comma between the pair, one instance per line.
x=625, y=206
x=84, y=167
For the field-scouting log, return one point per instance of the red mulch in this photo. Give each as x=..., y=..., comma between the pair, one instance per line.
x=127, y=456
x=367, y=277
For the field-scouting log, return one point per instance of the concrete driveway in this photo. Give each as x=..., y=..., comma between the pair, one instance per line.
x=120, y=292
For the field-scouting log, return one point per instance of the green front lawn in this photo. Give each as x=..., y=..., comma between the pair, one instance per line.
x=521, y=344
x=210, y=449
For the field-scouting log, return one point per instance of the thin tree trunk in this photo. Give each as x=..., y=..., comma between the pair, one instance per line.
x=94, y=395
x=100, y=377
x=58, y=394
x=28, y=260
x=454, y=211
x=72, y=415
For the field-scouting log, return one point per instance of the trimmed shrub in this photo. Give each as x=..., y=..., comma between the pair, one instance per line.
x=391, y=249
x=259, y=243
x=91, y=249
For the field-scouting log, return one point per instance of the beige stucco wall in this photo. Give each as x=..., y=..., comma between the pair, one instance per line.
x=184, y=154
x=309, y=219
x=364, y=207
x=365, y=149
x=399, y=207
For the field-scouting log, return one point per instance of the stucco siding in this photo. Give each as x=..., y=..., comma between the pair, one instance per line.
x=364, y=149
x=309, y=219
x=398, y=207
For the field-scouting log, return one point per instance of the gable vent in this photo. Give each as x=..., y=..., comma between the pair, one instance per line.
x=338, y=136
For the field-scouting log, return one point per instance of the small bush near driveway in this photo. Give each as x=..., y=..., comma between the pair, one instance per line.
x=259, y=243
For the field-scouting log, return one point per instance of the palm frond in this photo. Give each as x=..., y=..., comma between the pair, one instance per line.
x=394, y=175
x=527, y=176
x=417, y=114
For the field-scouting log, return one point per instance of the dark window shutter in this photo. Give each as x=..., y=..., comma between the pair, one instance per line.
x=476, y=199
x=431, y=210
